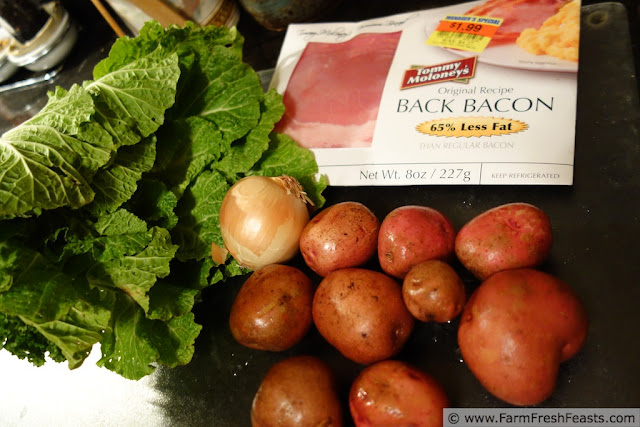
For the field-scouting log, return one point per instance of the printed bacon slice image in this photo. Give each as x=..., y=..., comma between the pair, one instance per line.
x=333, y=95
x=517, y=15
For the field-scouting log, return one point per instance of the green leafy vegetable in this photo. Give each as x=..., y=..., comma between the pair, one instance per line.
x=117, y=183
x=48, y=161
x=110, y=196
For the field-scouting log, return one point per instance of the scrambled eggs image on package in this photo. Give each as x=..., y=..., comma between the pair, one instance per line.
x=559, y=35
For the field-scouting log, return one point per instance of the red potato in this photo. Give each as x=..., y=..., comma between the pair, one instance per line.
x=516, y=329
x=433, y=291
x=514, y=235
x=298, y=391
x=412, y=234
x=343, y=235
x=272, y=310
x=361, y=313
x=394, y=393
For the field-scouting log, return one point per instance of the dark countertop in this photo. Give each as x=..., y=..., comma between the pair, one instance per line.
x=595, y=222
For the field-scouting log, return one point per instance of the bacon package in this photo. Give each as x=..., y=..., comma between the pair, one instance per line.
x=476, y=93
x=355, y=72
x=518, y=15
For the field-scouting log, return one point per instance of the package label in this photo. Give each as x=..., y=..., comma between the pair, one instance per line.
x=465, y=32
x=465, y=94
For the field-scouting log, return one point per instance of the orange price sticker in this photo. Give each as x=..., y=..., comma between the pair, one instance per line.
x=465, y=32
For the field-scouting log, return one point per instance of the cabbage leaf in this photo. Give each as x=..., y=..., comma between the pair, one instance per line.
x=110, y=197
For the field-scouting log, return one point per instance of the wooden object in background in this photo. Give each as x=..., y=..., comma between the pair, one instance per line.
x=108, y=17
x=161, y=12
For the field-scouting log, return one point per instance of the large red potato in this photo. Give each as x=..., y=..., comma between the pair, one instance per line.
x=394, y=393
x=514, y=235
x=516, y=329
x=298, y=391
x=340, y=236
x=412, y=234
x=361, y=313
x=272, y=310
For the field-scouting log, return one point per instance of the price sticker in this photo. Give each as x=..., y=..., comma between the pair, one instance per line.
x=471, y=33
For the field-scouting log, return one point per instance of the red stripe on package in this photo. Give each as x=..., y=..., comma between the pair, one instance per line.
x=454, y=70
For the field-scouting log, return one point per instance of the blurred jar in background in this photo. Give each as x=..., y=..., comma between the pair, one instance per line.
x=43, y=35
x=23, y=19
x=20, y=22
x=277, y=14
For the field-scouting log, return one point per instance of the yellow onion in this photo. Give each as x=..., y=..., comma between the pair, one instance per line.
x=261, y=219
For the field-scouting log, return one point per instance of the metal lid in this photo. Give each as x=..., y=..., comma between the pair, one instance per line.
x=7, y=68
x=46, y=39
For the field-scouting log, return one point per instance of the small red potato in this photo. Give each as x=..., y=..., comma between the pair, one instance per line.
x=514, y=235
x=394, y=393
x=516, y=329
x=412, y=234
x=272, y=310
x=298, y=391
x=340, y=236
x=433, y=291
x=361, y=313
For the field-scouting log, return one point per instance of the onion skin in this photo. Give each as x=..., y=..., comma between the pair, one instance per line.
x=261, y=219
x=218, y=254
